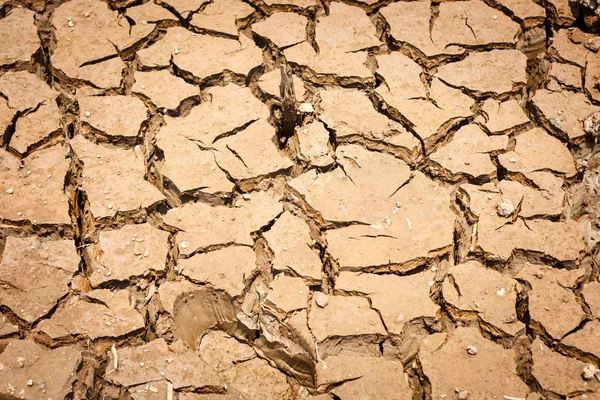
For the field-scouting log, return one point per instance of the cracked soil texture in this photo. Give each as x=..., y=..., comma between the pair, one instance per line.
x=299, y=199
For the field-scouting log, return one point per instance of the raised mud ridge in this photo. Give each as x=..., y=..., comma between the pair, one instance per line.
x=296, y=199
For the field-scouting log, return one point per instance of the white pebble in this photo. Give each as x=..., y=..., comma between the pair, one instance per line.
x=321, y=299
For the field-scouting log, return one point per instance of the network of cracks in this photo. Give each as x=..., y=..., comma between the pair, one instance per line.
x=295, y=199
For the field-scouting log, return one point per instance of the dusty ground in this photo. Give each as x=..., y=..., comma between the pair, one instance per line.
x=290, y=199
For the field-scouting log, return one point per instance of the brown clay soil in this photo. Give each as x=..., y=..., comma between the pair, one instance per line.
x=296, y=199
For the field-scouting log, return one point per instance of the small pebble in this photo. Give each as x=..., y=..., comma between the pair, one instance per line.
x=184, y=245
x=10, y=191
x=505, y=209
x=589, y=371
x=70, y=23
x=462, y=394
x=321, y=299
x=87, y=113
x=306, y=108
x=472, y=350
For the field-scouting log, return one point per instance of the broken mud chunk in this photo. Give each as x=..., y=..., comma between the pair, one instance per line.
x=344, y=65
x=15, y=48
x=563, y=46
x=585, y=339
x=569, y=109
x=251, y=153
x=163, y=88
x=345, y=29
x=592, y=78
x=447, y=108
x=536, y=150
x=35, y=274
x=363, y=377
x=470, y=73
x=399, y=299
x=503, y=116
x=203, y=225
x=187, y=164
x=283, y=29
x=290, y=240
x=231, y=109
x=39, y=116
x=344, y=316
x=551, y=304
x=39, y=184
x=256, y=379
x=117, y=256
x=148, y=13
x=219, y=16
x=97, y=314
x=558, y=373
x=125, y=167
x=288, y=293
x=351, y=115
x=115, y=116
x=54, y=370
x=469, y=153
x=477, y=288
x=422, y=228
x=71, y=62
x=341, y=195
x=566, y=76
x=202, y=55
x=591, y=294
x=222, y=352
x=314, y=143
x=559, y=240
x=226, y=269
x=154, y=362
x=448, y=366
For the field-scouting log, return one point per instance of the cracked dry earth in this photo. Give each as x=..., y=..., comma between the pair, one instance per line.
x=295, y=199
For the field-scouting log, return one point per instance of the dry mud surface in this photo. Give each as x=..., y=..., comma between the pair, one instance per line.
x=296, y=199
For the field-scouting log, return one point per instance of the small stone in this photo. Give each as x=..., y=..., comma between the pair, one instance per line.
x=505, y=209
x=589, y=371
x=88, y=114
x=184, y=245
x=153, y=389
x=539, y=274
x=321, y=299
x=462, y=394
x=70, y=23
x=10, y=191
x=513, y=160
x=30, y=382
x=471, y=350
x=593, y=44
x=306, y=108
